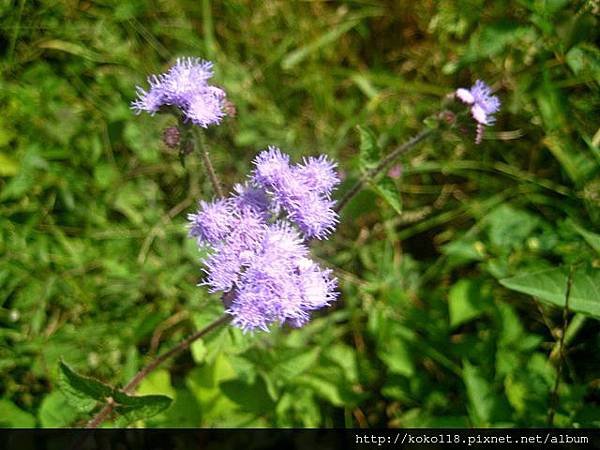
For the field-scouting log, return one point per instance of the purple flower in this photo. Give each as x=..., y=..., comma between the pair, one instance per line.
x=212, y=222
x=256, y=238
x=303, y=191
x=314, y=215
x=185, y=86
x=281, y=284
x=232, y=255
x=483, y=103
x=318, y=174
x=249, y=196
x=272, y=166
x=150, y=101
x=205, y=107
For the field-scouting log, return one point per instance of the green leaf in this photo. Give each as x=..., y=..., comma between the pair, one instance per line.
x=397, y=355
x=297, y=56
x=157, y=382
x=82, y=392
x=388, y=190
x=550, y=285
x=11, y=416
x=250, y=397
x=584, y=60
x=509, y=227
x=8, y=166
x=592, y=239
x=467, y=299
x=370, y=153
x=480, y=395
x=131, y=408
x=56, y=411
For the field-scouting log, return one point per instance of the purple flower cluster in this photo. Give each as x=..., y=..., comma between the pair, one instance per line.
x=185, y=86
x=257, y=236
x=483, y=105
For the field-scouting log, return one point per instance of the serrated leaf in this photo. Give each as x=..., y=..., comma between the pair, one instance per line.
x=370, y=153
x=81, y=392
x=387, y=189
x=131, y=408
x=550, y=286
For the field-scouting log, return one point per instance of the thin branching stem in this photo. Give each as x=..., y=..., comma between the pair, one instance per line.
x=130, y=387
x=210, y=170
x=383, y=164
x=561, y=352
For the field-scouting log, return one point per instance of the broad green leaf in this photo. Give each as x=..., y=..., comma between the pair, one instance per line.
x=11, y=416
x=396, y=353
x=329, y=389
x=82, y=392
x=250, y=397
x=131, y=408
x=56, y=411
x=509, y=227
x=184, y=412
x=157, y=382
x=387, y=189
x=370, y=153
x=467, y=300
x=550, y=285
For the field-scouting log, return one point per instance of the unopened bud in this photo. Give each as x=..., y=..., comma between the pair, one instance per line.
x=171, y=137
x=229, y=108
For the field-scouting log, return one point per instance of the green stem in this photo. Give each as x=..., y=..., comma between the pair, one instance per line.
x=383, y=164
x=210, y=170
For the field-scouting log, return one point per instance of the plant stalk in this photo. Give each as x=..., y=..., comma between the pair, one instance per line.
x=210, y=170
x=130, y=387
x=383, y=164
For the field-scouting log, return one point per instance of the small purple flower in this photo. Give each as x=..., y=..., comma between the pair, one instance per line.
x=281, y=284
x=256, y=238
x=395, y=171
x=303, y=191
x=272, y=166
x=150, y=101
x=185, y=86
x=483, y=103
x=205, y=107
x=212, y=222
x=314, y=215
x=187, y=77
x=249, y=196
x=318, y=174
x=235, y=251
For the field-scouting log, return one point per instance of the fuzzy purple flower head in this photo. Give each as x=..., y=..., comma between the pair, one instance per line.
x=186, y=87
x=483, y=105
x=257, y=241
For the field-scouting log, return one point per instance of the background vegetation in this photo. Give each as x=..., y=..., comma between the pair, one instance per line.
x=451, y=311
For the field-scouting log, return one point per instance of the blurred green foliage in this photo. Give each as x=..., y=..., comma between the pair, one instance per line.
x=452, y=297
